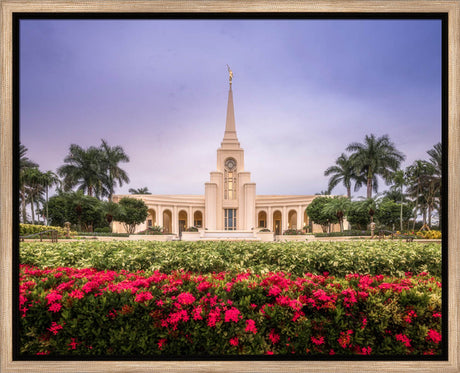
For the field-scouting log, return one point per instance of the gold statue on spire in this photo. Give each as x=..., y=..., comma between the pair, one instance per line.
x=230, y=74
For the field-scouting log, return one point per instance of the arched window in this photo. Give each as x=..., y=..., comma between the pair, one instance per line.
x=262, y=219
x=230, y=182
x=198, y=219
x=292, y=219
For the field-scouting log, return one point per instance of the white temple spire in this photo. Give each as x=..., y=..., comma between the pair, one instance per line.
x=230, y=139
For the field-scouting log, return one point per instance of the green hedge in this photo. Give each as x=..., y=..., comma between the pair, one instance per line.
x=338, y=258
x=84, y=312
x=27, y=229
x=345, y=233
x=103, y=234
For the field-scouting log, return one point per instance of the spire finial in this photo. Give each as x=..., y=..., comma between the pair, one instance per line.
x=230, y=75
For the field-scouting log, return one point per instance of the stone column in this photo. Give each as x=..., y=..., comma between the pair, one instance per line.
x=160, y=216
x=299, y=218
x=175, y=222
x=284, y=220
x=190, y=217
x=270, y=219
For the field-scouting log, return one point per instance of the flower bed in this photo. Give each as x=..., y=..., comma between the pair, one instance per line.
x=68, y=311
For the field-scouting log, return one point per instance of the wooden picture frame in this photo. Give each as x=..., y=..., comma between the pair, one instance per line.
x=451, y=7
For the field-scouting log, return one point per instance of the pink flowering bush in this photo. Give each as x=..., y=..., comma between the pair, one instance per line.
x=84, y=312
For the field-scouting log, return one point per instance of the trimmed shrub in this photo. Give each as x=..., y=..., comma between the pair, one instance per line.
x=103, y=230
x=344, y=233
x=295, y=232
x=28, y=229
x=386, y=257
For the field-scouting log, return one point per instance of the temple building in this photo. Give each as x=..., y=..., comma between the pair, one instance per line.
x=230, y=206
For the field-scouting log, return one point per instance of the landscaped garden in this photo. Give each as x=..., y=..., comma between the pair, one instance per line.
x=226, y=298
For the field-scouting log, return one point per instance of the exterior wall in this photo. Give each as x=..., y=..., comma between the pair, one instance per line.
x=250, y=206
x=210, y=220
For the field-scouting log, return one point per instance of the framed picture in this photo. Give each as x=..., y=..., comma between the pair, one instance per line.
x=292, y=94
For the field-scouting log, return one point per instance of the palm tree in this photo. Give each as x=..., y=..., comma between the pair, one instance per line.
x=31, y=179
x=436, y=160
x=375, y=157
x=112, y=156
x=421, y=187
x=399, y=181
x=144, y=190
x=344, y=171
x=24, y=164
x=49, y=179
x=338, y=206
x=83, y=168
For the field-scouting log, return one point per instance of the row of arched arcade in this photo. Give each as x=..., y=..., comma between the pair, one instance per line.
x=165, y=220
x=277, y=220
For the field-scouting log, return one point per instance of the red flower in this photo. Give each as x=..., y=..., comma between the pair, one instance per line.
x=197, y=313
x=434, y=336
x=77, y=294
x=185, y=298
x=251, y=326
x=275, y=338
x=214, y=317
x=234, y=341
x=366, y=350
x=52, y=297
x=233, y=314
x=73, y=345
x=344, y=339
x=404, y=339
x=317, y=341
x=54, y=328
x=143, y=296
x=55, y=307
x=161, y=342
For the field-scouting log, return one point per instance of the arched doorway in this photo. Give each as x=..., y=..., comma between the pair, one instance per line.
x=198, y=219
x=182, y=221
x=151, y=218
x=262, y=219
x=292, y=219
x=167, y=221
x=277, y=222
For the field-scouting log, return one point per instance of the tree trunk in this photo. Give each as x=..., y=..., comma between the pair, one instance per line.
x=369, y=188
x=401, y=215
x=32, y=209
x=47, y=205
x=429, y=215
x=24, y=212
x=349, y=193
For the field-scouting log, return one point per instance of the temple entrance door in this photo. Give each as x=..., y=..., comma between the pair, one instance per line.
x=181, y=227
x=182, y=222
x=277, y=223
x=277, y=227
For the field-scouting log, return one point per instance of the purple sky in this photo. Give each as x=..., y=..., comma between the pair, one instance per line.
x=303, y=90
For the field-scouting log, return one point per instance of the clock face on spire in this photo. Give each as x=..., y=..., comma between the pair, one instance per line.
x=230, y=163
